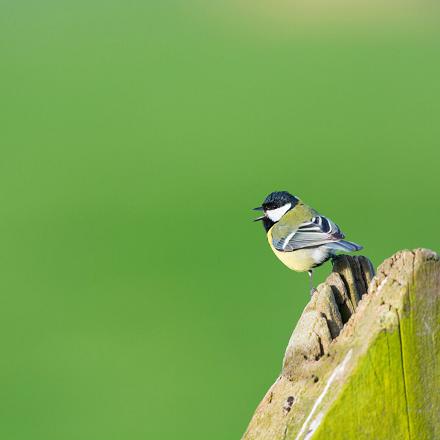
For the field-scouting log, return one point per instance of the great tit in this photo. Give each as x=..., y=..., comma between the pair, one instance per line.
x=300, y=237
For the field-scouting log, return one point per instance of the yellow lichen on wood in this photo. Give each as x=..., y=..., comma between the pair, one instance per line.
x=378, y=376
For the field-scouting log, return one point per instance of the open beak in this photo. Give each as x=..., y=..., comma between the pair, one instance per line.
x=259, y=208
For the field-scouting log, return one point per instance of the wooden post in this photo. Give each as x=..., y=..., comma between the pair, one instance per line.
x=362, y=365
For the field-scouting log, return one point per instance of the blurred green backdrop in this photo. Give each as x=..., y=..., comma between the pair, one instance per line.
x=138, y=301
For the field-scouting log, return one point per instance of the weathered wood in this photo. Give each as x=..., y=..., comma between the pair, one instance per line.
x=362, y=366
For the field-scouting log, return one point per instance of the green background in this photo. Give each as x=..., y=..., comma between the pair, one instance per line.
x=138, y=300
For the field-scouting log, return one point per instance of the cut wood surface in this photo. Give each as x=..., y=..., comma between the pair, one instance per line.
x=363, y=361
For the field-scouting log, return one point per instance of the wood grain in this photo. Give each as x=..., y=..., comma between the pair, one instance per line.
x=362, y=365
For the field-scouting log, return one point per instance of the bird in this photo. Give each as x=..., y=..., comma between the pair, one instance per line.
x=299, y=236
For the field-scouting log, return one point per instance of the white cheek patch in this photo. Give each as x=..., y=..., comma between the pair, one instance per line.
x=276, y=214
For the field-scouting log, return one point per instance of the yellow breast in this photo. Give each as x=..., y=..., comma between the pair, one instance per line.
x=300, y=260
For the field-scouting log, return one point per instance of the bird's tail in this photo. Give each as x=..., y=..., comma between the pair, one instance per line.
x=344, y=245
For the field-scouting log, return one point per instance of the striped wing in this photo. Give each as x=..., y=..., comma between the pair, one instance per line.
x=319, y=230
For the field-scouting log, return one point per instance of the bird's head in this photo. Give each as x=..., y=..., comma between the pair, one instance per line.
x=275, y=205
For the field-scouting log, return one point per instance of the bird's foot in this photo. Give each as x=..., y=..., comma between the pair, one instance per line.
x=312, y=291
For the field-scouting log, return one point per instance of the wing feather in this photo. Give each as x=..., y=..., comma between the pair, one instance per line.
x=315, y=232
